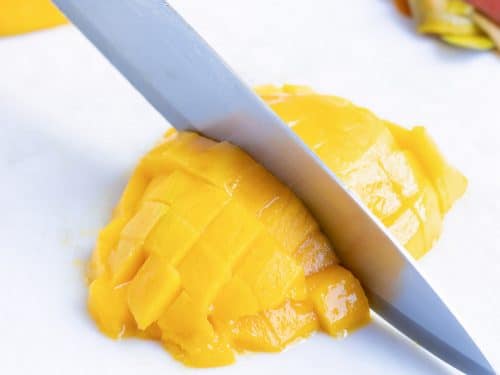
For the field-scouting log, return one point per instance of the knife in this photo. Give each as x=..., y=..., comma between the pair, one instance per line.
x=190, y=85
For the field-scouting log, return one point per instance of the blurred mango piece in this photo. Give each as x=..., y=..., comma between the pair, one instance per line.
x=456, y=22
x=22, y=16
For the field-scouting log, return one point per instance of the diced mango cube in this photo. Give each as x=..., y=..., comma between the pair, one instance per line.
x=108, y=306
x=404, y=171
x=138, y=228
x=106, y=241
x=234, y=300
x=258, y=190
x=128, y=256
x=132, y=194
x=406, y=226
x=449, y=183
x=254, y=333
x=292, y=321
x=270, y=272
x=125, y=260
x=200, y=208
x=371, y=183
x=172, y=237
x=427, y=209
x=315, y=253
x=338, y=300
x=290, y=225
x=203, y=273
x=223, y=165
x=163, y=158
x=236, y=226
x=185, y=322
x=151, y=290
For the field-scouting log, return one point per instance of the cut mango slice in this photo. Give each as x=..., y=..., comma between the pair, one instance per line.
x=108, y=307
x=21, y=16
x=339, y=299
x=386, y=165
x=210, y=254
x=152, y=289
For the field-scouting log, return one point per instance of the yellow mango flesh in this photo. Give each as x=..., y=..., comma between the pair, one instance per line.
x=399, y=173
x=211, y=254
x=21, y=16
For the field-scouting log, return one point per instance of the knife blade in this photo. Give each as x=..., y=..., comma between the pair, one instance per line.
x=190, y=85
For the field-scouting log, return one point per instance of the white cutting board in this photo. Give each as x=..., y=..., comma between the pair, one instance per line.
x=71, y=129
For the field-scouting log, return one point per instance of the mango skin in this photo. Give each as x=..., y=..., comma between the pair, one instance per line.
x=22, y=16
x=210, y=254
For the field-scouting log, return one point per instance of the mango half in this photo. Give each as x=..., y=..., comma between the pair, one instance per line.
x=21, y=16
x=399, y=173
x=210, y=254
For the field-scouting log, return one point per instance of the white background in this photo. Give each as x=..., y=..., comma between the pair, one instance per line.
x=71, y=129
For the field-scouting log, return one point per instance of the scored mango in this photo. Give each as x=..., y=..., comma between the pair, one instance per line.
x=399, y=173
x=212, y=255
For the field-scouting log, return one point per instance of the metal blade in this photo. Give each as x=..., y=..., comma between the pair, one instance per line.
x=185, y=80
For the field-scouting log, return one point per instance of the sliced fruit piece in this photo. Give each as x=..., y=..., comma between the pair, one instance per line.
x=372, y=184
x=238, y=228
x=448, y=23
x=185, y=320
x=254, y=333
x=405, y=173
x=128, y=256
x=269, y=271
x=315, y=253
x=213, y=253
x=107, y=304
x=139, y=226
x=106, y=240
x=448, y=182
x=235, y=299
x=258, y=191
x=406, y=226
x=489, y=27
x=427, y=209
x=152, y=289
x=171, y=238
x=22, y=16
x=132, y=194
x=290, y=224
x=125, y=260
x=223, y=165
x=292, y=321
x=190, y=337
x=478, y=42
x=338, y=300
x=203, y=273
x=459, y=7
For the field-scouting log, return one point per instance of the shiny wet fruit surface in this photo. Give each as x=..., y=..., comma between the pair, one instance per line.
x=210, y=254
